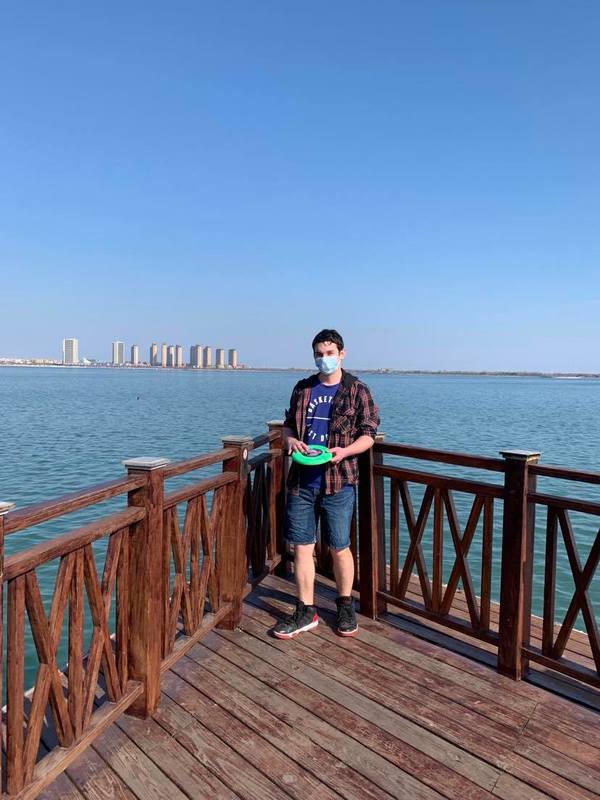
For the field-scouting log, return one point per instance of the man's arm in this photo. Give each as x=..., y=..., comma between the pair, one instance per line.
x=367, y=422
x=290, y=441
x=364, y=442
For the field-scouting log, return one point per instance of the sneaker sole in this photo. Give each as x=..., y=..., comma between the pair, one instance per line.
x=308, y=627
x=347, y=633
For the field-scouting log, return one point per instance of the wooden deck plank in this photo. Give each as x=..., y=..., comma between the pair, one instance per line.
x=386, y=715
x=425, y=740
x=463, y=644
x=233, y=770
x=562, y=720
x=301, y=662
x=136, y=770
x=315, y=773
x=192, y=777
x=61, y=789
x=96, y=780
x=544, y=780
x=452, y=685
x=547, y=757
x=547, y=732
x=345, y=734
x=404, y=649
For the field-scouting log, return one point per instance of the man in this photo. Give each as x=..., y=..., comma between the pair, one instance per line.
x=334, y=409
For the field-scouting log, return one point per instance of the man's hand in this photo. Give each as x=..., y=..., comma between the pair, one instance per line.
x=295, y=446
x=339, y=453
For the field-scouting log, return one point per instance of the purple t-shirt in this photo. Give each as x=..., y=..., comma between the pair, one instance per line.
x=318, y=415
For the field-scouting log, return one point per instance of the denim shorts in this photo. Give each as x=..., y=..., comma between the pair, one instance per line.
x=335, y=510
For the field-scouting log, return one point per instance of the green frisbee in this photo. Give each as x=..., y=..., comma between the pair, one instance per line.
x=316, y=455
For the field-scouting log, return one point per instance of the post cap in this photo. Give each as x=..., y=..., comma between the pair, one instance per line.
x=235, y=439
x=5, y=507
x=521, y=455
x=380, y=437
x=144, y=463
x=275, y=423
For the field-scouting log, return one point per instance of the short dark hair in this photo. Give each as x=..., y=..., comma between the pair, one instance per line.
x=328, y=335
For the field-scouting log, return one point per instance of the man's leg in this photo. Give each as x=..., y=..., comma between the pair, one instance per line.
x=304, y=567
x=343, y=569
x=300, y=531
x=338, y=509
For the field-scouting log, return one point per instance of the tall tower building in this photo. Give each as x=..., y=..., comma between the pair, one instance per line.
x=153, y=354
x=196, y=356
x=70, y=350
x=178, y=356
x=233, y=361
x=170, y=356
x=118, y=356
x=163, y=355
x=135, y=355
x=208, y=357
x=220, y=358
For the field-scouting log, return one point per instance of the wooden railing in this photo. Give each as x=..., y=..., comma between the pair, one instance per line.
x=428, y=586
x=135, y=589
x=558, y=518
x=142, y=584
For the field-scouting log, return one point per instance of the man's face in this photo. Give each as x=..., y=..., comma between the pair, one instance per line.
x=328, y=349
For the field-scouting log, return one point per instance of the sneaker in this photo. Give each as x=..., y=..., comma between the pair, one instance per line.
x=303, y=619
x=347, y=624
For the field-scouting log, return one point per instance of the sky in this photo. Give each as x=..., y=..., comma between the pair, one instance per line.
x=422, y=176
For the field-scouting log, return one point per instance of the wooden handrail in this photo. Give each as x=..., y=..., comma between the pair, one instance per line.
x=570, y=503
x=440, y=481
x=441, y=456
x=197, y=489
x=25, y=517
x=39, y=554
x=565, y=473
x=192, y=464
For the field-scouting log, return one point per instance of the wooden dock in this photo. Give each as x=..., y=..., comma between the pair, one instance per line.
x=173, y=686
x=386, y=715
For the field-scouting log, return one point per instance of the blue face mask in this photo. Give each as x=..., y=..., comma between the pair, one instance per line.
x=327, y=364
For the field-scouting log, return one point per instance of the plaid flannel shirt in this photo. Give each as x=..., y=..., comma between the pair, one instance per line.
x=353, y=414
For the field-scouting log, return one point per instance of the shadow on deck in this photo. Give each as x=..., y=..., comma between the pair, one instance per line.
x=389, y=714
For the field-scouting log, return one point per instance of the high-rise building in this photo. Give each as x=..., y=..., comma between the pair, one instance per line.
x=207, y=357
x=233, y=362
x=220, y=358
x=178, y=355
x=118, y=355
x=171, y=356
x=70, y=351
x=153, y=354
x=196, y=356
x=135, y=355
x=163, y=355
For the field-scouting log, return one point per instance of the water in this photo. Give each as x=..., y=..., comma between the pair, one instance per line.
x=64, y=429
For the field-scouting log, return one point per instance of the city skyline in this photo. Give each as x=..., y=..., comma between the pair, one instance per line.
x=171, y=355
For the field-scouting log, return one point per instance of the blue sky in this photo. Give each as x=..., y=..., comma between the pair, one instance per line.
x=424, y=176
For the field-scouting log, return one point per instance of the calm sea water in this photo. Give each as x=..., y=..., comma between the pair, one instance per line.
x=64, y=429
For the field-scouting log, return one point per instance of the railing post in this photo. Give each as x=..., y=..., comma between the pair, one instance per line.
x=279, y=474
x=371, y=561
x=4, y=509
x=231, y=559
x=146, y=584
x=517, y=562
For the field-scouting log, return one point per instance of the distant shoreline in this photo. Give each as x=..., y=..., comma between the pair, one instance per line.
x=382, y=371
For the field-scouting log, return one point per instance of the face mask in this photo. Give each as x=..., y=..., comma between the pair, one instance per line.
x=327, y=364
